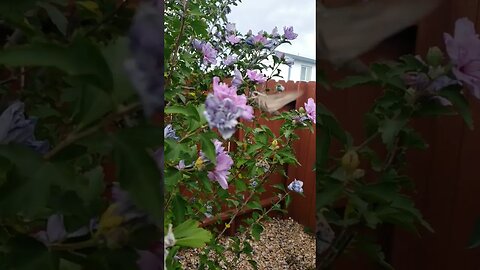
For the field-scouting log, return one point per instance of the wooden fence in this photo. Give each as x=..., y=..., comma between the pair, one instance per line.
x=446, y=175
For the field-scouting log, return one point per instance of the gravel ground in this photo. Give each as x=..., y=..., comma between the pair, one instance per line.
x=282, y=245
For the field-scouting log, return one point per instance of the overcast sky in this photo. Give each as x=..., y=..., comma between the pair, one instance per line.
x=266, y=14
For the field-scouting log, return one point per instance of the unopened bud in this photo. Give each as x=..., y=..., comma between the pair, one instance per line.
x=434, y=56
x=301, y=109
x=350, y=161
x=275, y=144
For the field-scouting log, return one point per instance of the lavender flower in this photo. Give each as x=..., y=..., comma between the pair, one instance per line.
x=224, y=107
x=231, y=59
x=197, y=44
x=230, y=27
x=223, y=91
x=15, y=128
x=181, y=165
x=256, y=76
x=237, y=78
x=289, y=34
x=169, y=133
x=464, y=52
x=222, y=167
x=280, y=55
x=296, y=186
x=55, y=231
x=222, y=114
x=209, y=54
x=146, y=47
x=310, y=108
x=257, y=40
x=233, y=39
x=275, y=33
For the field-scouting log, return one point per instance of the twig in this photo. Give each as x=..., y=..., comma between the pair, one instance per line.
x=73, y=137
x=108, y=18
x=174, y=58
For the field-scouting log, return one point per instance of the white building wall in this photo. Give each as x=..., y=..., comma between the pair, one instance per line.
x=294, y=71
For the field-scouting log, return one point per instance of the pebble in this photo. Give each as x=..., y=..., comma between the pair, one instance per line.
x=283, y=245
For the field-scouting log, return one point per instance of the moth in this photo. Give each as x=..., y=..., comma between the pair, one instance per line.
x=271, y=103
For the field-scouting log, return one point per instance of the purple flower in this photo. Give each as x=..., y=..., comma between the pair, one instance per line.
x=237, y=78
x=464, y=52
x=280, y=55
x=169, y=133
x=181, y=165
x=146, y=47
x=197, y=44
x=224, y=163
x=233, y=39
x=288, y=33
x=418, y=81
x=15, y=128
x=310, y=108
x=209, y=54
x=223, y=92
x=55, y=231
x=296, y=186
x=231, y=59
x=275, y=33
x=259, y=39
x=256, y=76
x=224, y=107
x=230, y=27
x=222, y=114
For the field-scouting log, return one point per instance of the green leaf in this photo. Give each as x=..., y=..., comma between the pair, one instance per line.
x=92, y=104
x=390, y=128
x=374, y=251
x=188, y=234
x=38, y=255
x=30, y=192
x=475, y=237
x=14, y=10
x=56, y=16
x=351, y=81
x=138, y=174
x=329, y=190
x=254, y=205
x=81, y=58
x=257, y=230
x=179, y=205
x=115, y=54
x=188, y=111
x=454, y=95
x=208, y=148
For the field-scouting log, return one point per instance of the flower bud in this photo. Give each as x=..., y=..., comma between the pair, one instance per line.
x=350, y=161
x=275, y=144
x=434, y=57
x=301, y=110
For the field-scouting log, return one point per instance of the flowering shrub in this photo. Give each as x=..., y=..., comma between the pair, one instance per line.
x=214, y=75
x=351, y=201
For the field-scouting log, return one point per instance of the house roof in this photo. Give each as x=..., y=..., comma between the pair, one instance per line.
x=300, y=58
